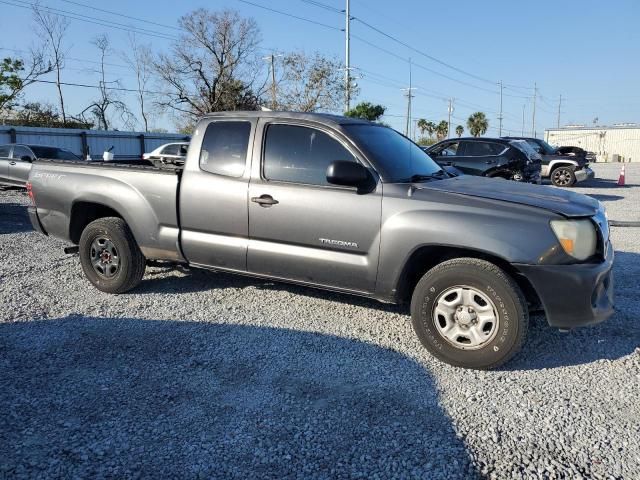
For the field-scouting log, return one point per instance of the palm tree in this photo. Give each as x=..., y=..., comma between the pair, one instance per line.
x=430, y=128
x=422, y=126
x=442, y=129
x=459, y=130
x=477, y=124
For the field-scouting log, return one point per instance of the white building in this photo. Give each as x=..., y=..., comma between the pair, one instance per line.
x=610, y=144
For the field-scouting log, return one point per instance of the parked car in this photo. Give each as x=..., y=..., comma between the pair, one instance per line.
x=168, y=154
x=489, y=157
x=564, y=166
x=16, y=160
x=348, y=205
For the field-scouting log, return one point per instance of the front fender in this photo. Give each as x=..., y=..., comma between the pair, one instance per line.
x=513, y=233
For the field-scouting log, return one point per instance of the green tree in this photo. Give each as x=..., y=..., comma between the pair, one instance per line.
x=15, y=76
x=366, y=111
x=477, y=124
x=459, y=130
x=442, y=129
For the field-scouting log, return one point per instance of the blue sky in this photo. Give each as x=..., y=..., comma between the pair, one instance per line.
x=585, y=50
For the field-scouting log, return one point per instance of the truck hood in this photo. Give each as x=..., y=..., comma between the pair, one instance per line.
x=556, y=200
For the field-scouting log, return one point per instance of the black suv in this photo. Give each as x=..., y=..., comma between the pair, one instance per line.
x=564, y=166
x=489, y=157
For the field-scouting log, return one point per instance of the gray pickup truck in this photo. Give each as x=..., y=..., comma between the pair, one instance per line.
x=347, y=205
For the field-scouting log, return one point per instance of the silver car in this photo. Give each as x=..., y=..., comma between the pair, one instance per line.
x=16, y=160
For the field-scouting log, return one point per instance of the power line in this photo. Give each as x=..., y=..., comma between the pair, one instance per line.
x=88, y=19
x=123, y=15
x=308, y=20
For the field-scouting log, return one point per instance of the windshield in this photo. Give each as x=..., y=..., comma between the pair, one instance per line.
x=395, y=157
x=526, y=148
x=53, y=153
x=542, y=146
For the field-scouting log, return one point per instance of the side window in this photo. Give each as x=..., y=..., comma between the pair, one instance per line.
x=224, y=148
x=450, y=150
x=300, y=154
x=483, y=149
x=19, y=152
x=4, y=151
x=171, y=149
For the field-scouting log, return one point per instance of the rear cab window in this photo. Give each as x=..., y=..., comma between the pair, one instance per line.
x=224, y=148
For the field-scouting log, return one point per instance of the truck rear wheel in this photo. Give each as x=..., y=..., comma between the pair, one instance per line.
x=469, y=313
x=110, y=256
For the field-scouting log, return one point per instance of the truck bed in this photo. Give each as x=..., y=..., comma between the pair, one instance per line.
x=66, y=192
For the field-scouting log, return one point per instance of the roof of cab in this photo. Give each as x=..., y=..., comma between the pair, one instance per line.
x=325, y=118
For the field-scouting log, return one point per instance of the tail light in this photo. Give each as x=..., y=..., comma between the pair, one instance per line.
x=30, y=193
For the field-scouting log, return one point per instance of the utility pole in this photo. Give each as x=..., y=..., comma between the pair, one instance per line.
x=523, y=107
x=450, y=109
x=274, y=93
x=559, y=106
x=533, y=119
x=347, y=61
x=500, y=115
x=407, y=130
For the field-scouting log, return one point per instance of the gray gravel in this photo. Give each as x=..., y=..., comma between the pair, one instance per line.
x=208, y=375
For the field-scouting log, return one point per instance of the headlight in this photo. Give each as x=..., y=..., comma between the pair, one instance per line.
x=577, y=237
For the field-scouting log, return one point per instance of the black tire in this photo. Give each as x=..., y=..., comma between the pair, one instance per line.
x=507, y=300
x=122, y=246
x=563, y=177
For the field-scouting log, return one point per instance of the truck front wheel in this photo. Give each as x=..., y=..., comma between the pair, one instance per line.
x=469, y=313
x=110, y=256
x=563, y=177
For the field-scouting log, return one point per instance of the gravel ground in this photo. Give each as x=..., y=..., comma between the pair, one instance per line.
x=197, y=374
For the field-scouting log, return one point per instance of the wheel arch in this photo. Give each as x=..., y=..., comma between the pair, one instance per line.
x=85, y=212
x=425, y=257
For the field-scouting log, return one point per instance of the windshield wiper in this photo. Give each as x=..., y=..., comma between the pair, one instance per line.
x=419, y=177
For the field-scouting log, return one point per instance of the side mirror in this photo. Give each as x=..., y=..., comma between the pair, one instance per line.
x=350, y=174
x=26, y=158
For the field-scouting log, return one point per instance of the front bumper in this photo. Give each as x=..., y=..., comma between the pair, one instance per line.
x=584, y=174
x=574, y=295
x=35, y=221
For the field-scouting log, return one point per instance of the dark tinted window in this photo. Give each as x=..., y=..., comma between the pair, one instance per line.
x=171, y=149
x=483, y=149
x=394, y=156
x=19, y=151
x=52, y=153
x=4, y=150
x=224, y=148
x=300, y=154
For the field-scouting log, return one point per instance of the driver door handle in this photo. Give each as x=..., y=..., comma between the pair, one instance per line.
x=12, y=163
x=265, y=200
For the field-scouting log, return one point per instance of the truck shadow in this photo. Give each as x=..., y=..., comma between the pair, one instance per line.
x=14, y=218
x=96, y=397
x=546, y=347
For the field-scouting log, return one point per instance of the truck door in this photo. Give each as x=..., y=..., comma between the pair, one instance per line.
x=302, y=228
x=20, y=165
x=213, y=195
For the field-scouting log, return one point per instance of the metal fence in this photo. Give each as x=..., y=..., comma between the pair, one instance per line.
x=610, y=144
x=126, y=145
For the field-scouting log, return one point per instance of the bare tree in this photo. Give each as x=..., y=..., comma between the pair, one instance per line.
x=53, y=28
x=213, y=66
x=312, y=83
x=17, y=74
x=140, y=59
x=108, y=99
